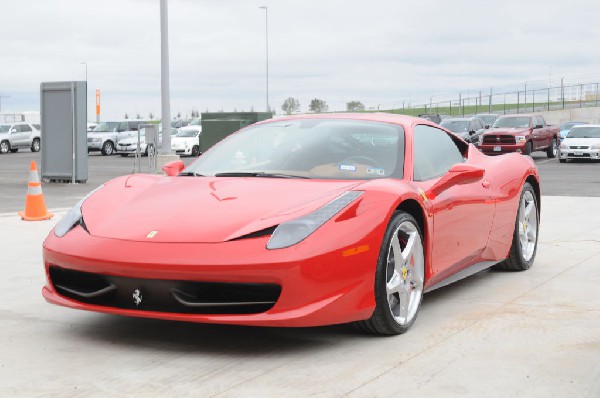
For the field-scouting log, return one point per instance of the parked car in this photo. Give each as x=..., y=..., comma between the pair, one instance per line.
x=15, y=136
x=467, y=128
x=105, y=136
x=488, y=119
x=298, y=221
x=565, y=127
x=177, y=124
x=520, y=133
x=582, y=142
x=187, y=141
x=128, y=146
x=433, y=117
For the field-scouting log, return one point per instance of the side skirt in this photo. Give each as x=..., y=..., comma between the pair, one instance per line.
x=473, y=269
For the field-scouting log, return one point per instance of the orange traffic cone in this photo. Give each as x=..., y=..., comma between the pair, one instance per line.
x=35, y=206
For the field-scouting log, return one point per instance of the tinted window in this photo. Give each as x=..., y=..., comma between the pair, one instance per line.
x=25, y=128
x=434, y=153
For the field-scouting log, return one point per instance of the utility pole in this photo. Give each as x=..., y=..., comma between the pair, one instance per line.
x=2, y=96
x=164, y=73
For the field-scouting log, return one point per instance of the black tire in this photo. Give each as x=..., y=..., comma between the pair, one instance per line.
x=14, y=150
x=4, y=147
x=528, y=148
x=195, y=150
x=35, y=145
x=108, y=148
x=518, y=259
x=552, y=150
x=562, y=160
x=387, y=318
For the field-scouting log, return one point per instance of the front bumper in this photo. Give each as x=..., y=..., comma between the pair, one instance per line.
x=181, y=150
x=593, y=154
x=318, y=287
x=130, y=148
x=499, y=149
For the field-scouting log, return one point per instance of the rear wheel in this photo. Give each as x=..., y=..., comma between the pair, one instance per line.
x=35, y=145
x=525, y=236
x=552, y=149
x=4, y=147
x=150, y=151
x=108, y=148
x=399, y=278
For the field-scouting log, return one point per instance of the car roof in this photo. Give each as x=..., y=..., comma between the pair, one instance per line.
x=581, y=126
x=457, y=119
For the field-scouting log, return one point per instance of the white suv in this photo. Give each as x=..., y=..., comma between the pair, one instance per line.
x=15, y=136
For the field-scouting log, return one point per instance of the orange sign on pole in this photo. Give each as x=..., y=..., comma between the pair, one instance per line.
x=97, y=102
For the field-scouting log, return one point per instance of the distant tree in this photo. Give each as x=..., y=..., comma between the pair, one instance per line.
x=318, y=106
x=150, y=116
x=178, y=115
x=252, y=108
x=355, y=106
x=290, y=106
x=138, y=116
x=126, y=116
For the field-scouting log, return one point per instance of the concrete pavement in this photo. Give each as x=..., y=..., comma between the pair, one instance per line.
x=496, y=334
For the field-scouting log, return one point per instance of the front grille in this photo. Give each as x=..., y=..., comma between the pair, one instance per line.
x=579, y=155
x=499, y=139
x=579, y=147
x=184, y=297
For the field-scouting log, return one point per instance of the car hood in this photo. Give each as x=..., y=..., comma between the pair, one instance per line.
x=581, y=141
x=507, y=130
x=183, y=140
x=201, y=209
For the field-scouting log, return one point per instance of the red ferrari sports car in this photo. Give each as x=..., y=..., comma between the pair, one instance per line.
x=299, y=221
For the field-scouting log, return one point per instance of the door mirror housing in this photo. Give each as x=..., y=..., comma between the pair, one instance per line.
x=13, y=130
x=460, y=173
x=173, y=168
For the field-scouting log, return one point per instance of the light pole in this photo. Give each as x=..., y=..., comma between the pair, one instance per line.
x=267, y=51
x=164, y=74
x=85, y=63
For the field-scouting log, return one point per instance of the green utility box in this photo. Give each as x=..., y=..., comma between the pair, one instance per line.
x=218, y=125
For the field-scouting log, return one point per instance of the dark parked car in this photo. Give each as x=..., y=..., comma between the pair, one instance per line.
x=467, y=128
x=488, y=119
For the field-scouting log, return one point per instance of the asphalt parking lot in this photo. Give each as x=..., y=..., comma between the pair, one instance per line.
x=496, y=334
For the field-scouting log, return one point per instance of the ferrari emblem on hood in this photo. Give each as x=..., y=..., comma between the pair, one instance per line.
x=137, y=297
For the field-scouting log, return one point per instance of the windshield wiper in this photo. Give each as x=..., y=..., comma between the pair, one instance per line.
x=256, y=174
x=190, y=174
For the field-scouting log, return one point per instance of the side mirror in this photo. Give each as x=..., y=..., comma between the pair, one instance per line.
x=173, y=168
x=460, y=173
x=471, y=132
x=13, y=130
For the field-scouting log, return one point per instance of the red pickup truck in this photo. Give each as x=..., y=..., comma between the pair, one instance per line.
x=520, y=133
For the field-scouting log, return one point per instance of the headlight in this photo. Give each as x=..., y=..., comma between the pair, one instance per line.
x=520, y=138
x=295, y=231
x=564, y=146
x=72, y=218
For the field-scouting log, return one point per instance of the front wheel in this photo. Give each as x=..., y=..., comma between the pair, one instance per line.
x=108, y=148
x=35, y=145
x=552, y=149
x=528, y=148
x=195, y=150
x=399, y=278
x=525, y=236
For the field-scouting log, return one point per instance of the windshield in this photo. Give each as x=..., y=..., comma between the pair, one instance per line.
x=106, y=127
x=4, y=128
x=512, y=122
x=456, y=126
x=487, y=119
x=568, y=125
x=187, y=133
x=584, y=132
x=309, y=148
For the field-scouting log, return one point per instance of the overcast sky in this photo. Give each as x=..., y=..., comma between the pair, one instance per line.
x=379, y=52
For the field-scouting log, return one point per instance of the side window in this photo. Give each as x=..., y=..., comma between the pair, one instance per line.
x=540, y=121
x=434, y=152
x=123, y=127
x=25, y=128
